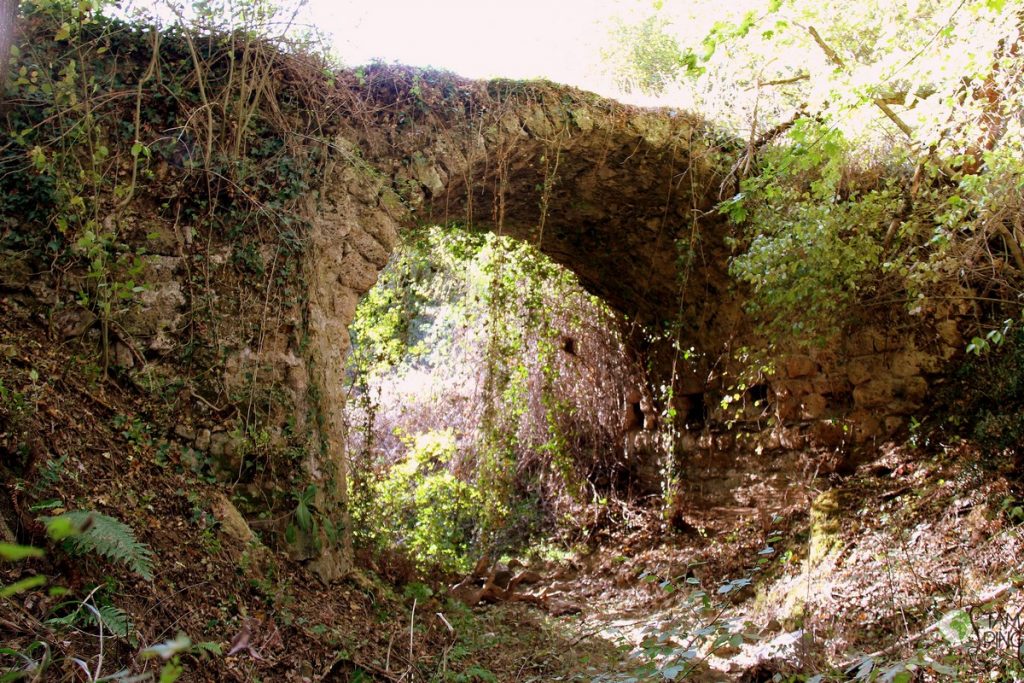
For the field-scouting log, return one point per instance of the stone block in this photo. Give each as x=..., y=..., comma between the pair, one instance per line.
x=865, y=368
x=870, y=340
x=788, y=409
x=831, y=385
x=792, y=388
x=874, y=394
x=914, y=362
x=813, y=406
x=892, y=424
x=792, y=439
x=800, y=366
x=232, y=524
x=864, y=426
x=827, y=434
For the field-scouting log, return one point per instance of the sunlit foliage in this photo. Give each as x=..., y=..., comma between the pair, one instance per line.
x=882, y=147
x=483, y=345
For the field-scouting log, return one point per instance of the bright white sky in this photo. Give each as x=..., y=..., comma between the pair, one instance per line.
x=560, y=40
x=477, y=38
x=556, y=39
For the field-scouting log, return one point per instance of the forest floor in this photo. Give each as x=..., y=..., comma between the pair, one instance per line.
x=867, y=577
x=882, y=562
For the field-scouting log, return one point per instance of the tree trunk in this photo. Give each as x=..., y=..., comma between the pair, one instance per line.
x=8, y=8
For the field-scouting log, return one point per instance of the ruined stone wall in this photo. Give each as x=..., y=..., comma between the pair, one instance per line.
x=621, y=196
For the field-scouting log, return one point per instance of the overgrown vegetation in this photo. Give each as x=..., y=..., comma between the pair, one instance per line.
x=474, y=428
x=163, y=395
x=882, y=148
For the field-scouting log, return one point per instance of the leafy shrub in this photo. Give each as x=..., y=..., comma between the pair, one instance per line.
x=485, y=337
x=987, y=398
x=422, y=506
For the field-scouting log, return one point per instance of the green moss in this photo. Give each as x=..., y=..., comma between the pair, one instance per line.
x=825, y=526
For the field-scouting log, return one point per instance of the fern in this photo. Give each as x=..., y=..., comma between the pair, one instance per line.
x=115, y=621
x=107, y=537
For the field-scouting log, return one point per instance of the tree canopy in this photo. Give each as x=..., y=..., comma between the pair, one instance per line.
x=882, y=142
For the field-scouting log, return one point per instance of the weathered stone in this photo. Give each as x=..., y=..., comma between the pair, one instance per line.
x=813, y=406
x=393, y=205
x=909, y=393
x=583, y=120
x=893, y=423
x=788, y=409
x=537, y=123
x=218, y=442
x=163, y=238
x=73, y=321
x=768, y=441
x=830, y=385
x=910, y=362
x=185, y=432
x=427, y=174
x=792, y=388
x=232, y=524
x=203, y=439
x=826, y=523
x=123, y=356
x=42, y=292
x=357, y=272
x=865, y=368
x=15, y=272
x=865, y=426
x=157, y=315
x=655, y=130
x=688, y=442
x=800, y=366
x=362, y=182
x=791, y=439
x=828, y=433
x=869, y=340
x=875, y=393
x=897, y=395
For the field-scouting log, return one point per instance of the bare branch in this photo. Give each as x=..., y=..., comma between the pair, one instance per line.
x=782, y=81
x=879, y=102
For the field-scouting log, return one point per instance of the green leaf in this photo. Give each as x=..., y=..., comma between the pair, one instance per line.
x=955, y=626
x=211, y=647
x=670, y=672
x=13, y=552
x=23, y=585
x=114, y=620
x=303, y=516
x=59, y=528
x=172, y=671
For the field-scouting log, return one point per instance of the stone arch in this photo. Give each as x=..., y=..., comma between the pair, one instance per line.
x=607, y=190
x=624, y=197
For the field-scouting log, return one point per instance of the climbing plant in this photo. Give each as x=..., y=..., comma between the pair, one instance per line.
x=483, y=341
